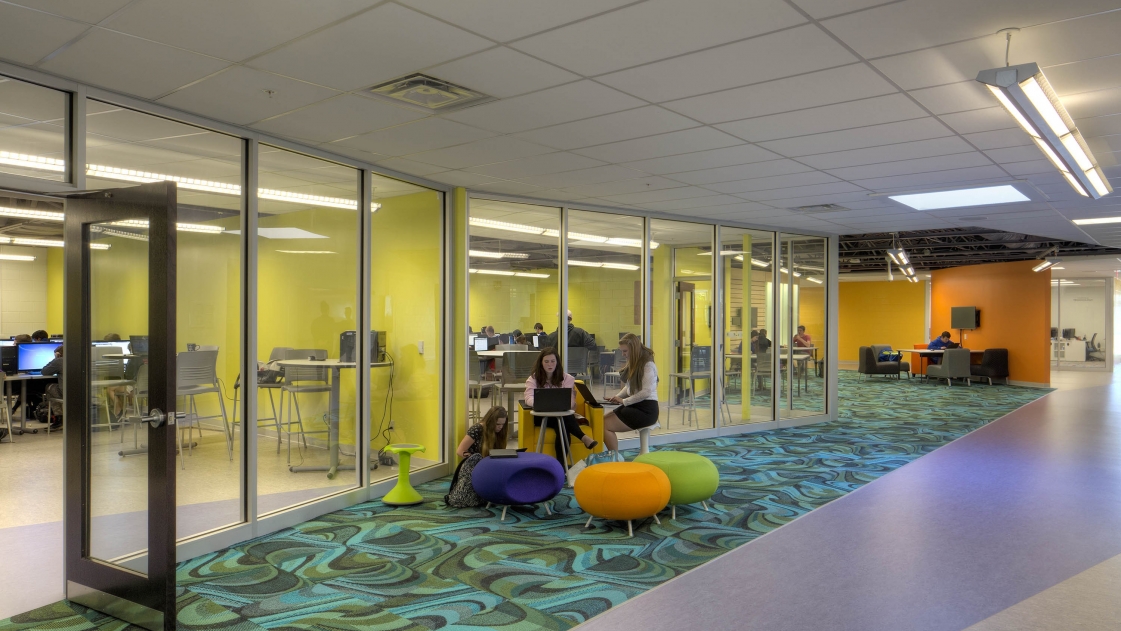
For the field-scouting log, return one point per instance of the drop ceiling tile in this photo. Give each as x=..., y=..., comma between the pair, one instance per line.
x=131, y=65
x=506, y=20
x=502, y=72
x=917, y=165
x=411, y=167
x=873, y=111
x=594, y=175
x=559, y=195
x=562, y=104
x=230, y=30
x=238, y=95
x=1085, y=76
x=888, y=153
x=28, y=36
x=661, y=195
x=903, y=26
x=1015, y=154
x=677, y=205
x=973, y=121
x=824, y=8
x=643, y=121
x=537, y=165
x=955, y=97
x=1100, y=126
x=999, y=139
x=422, y=135
x=847, y=83
x=376, y=46
x=783, y=54
x=485, y=151
x=741, y=172
x=340, y=117
x=466, y=179
x=1092, y=104
x=780, y=181
x=510, y=188
x=353, y=152
x=955, y=63
x=1030, y=167
x=875, y=135
x=677, y=142
x=936, y=178
x=656, y=29
x=738, y=154
x=779, y=195
x=624, y=186
x=89, y=11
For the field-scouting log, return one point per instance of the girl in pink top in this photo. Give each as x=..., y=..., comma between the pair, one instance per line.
x=547, y=374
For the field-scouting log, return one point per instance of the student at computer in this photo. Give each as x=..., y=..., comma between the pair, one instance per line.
x=547, y=374
x=940, y=343
x=489, y=433
x=762, y=344
x=54, y=390
x=40, y=336
x=638, y=400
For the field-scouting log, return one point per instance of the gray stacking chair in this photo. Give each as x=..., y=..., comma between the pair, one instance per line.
x=196, y=373
x=954, y=365
x=301, y=380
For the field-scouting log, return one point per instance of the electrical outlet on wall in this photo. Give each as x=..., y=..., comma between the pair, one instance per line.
x=390, y=423
x=420, y=347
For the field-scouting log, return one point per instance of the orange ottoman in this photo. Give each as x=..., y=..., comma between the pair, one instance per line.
x=622, y=491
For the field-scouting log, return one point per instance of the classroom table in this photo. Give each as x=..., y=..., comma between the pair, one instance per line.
x=801, y=358
x=491, y=353
x=335, y=366
x=23, y=378
x=924, y=355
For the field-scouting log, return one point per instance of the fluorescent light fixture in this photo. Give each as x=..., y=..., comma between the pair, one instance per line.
x=32, y=162
x=47, y=243
x=911, y=279
x=283, y=233
x=498, y=255
x=985, y=196
x=759, y=263
x=502, y=225
x=786, y=271
x=736, y=253
x=16, y=257
x=584, y=263
x=492, y=272
x=626, y=266
x=530, y=275
x=1044, y=264
x=576, y=237
x=1095, y=221
x=1057, y=267
x=182, y=227
x=589, y=238
x=27, y=213
x=814, y=280
x=307, y=251
x=1025, y=93
x=310, y=200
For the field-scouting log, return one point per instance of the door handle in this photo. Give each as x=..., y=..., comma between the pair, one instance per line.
x=156, y=418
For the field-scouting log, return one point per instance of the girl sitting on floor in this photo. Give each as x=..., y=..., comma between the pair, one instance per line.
x=487, y=434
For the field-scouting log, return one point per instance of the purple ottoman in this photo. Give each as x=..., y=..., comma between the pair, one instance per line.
x=530, y=478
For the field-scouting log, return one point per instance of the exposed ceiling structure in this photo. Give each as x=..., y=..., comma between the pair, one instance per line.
x=723, y=109
x=955, y=247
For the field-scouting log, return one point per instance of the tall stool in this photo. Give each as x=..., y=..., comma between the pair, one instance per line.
x=403, y=494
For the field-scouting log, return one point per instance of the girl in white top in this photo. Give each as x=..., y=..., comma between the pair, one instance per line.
x=638, y=398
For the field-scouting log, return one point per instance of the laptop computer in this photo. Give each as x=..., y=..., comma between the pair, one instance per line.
x=590, y=398
x=552, y=399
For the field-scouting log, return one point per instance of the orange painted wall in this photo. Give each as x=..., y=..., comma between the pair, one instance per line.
x=1015, y=305
x=879, y=312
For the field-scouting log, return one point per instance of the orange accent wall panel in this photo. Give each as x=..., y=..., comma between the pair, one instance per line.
x=1015, y=305
x=879, y=312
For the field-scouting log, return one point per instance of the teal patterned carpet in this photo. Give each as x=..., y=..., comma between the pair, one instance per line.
x=427, y=567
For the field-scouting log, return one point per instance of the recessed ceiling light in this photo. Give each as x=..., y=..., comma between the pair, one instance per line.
x=307, y=251
x=985, y=196
x=1095, y=221
x=283, y=233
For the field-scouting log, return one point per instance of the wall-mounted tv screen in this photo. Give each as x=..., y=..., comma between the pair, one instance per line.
x=965, y=318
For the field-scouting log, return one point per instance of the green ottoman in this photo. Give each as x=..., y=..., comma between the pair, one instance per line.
x=692, y=478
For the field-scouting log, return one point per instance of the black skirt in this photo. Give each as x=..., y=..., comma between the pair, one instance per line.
x=638, y=415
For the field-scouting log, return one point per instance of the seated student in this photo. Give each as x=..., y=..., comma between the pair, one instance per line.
x=547, y=374
x=940, y=343
x=802, y=339
x=539, y=333
x=40, y=336
x=489, y=433
x=521, y=339
x=762, y=344
x=55, y=368
x=638, y=400
x=492, y=339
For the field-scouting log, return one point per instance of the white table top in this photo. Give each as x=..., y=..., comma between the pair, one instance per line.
x=552, y=414
x=326, y=363
x=491, y=353
x=927, y=351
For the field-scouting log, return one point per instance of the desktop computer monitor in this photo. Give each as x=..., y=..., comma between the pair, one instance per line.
x=121, y=346
x=347, y=346
x=1054, y=332
x=480, y=343
x=1068, y=334
x=536, y=341
x=32, y=357
x=7, y=343
x=139, y=344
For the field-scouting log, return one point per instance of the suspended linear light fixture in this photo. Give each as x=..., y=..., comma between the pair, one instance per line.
x=1024, y=91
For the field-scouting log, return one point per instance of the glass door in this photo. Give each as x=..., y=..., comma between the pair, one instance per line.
x=120, y=387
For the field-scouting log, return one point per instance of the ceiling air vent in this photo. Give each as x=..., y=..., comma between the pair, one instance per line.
x=428, y=94
x=819, y=208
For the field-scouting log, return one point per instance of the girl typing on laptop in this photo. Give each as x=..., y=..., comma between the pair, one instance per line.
x=638, y=400
x=547, y=374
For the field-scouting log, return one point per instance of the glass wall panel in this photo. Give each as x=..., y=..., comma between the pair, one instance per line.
x=1079, y=315
x=514, y=285
x=307, y=292
x=802, y=317
x=604, y=292
x=406, y=307
x=32, y=130
x=682, y=301
x=125, y=147
x=747, y=257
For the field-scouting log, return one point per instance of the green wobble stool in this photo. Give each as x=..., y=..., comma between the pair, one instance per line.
x=403, y=494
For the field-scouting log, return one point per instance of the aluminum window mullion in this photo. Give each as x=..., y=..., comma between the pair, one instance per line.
x=716, y=358
x=647, y=276
x=249, y=220
x=362, y=426
x=562, y=327
x=76, y=138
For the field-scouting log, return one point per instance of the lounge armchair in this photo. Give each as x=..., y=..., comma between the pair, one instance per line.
x=994, y=365
x=869, y=363
x=954, y=365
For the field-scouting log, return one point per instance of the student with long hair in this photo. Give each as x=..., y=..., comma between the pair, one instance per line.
x=638, y=400
x=547, y=373
x=489, y=433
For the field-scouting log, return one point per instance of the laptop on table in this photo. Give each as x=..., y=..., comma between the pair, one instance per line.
x=552, y=399
x=590, y=398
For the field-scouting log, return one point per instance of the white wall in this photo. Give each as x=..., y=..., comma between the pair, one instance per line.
x=1084, y=310
x=23, y=292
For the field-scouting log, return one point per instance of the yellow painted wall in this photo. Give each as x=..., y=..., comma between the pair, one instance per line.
x=514, y=302
x=602, y=301
x=879, y=312
x=811, y=312
x=54, y=290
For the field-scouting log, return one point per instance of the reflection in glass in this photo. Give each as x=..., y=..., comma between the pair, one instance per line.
x=1078, y=318
x=747, y=257
x=405, y=312
x=514, y=285
x=118, y=309
x=125, y=147
x=32, y=130
x=682, y=322
x=307, y=249
x=802, y=325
